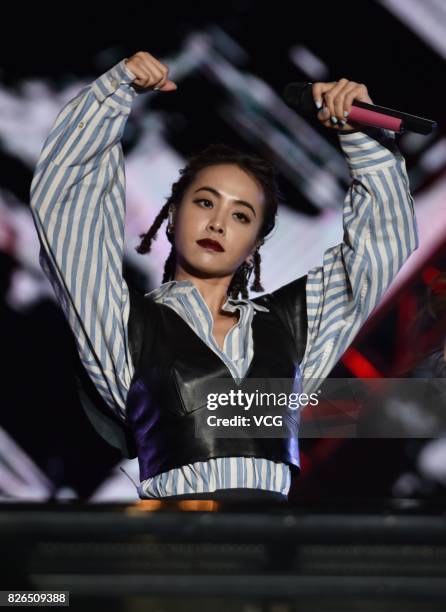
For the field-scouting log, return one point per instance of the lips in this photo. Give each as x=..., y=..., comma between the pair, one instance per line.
x=207, y=243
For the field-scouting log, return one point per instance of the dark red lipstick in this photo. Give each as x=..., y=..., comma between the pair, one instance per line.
x=207, y=243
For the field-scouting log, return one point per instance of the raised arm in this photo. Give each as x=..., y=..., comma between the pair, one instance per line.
x=328, y=305
x=78, y=205
x=380, y=233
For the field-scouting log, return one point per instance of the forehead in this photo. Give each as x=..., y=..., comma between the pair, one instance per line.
x=231, y=181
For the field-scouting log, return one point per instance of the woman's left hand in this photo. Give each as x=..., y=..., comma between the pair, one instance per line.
x=335, y=101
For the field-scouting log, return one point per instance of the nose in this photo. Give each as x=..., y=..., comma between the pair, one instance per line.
x=216, y=226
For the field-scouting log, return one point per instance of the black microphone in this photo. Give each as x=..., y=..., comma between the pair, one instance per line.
x=300, y=97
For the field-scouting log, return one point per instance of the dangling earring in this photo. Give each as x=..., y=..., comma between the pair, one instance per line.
x=247, y=271
x=170, y=225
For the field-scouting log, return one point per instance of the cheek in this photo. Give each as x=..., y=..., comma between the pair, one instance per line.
x=191, y=220
x=190, y=226
x=240, y=240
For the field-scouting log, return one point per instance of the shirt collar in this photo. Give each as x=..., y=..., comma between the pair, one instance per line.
x=172, y=287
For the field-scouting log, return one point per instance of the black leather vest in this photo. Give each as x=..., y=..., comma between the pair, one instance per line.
x=172, y=364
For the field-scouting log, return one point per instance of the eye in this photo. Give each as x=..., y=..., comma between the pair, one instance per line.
x=202, y=200
x=243, y=217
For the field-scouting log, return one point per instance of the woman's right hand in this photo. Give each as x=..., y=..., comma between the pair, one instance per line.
x=149, y=72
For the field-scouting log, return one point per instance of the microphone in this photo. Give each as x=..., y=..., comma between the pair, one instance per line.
x=300, y=97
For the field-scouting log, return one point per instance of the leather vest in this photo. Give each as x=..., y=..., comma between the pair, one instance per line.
x=172, y=364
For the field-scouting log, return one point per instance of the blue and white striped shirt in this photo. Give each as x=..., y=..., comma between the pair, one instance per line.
x=78, y=205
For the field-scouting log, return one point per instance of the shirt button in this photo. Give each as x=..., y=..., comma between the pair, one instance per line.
x=114, y=83
x=81, y=125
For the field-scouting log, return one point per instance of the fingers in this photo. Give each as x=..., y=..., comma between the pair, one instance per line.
x=147, y=73
x=333, y=100
x=336, y=99
x=358, y=93
x=169, y=86
x=318, y=92
x=349, y=93
x=163, y=84
x=150, y=72
x=161, y=69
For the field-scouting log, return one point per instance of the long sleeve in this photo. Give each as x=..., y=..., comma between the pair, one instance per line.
x=380, y=233
x=78, y=206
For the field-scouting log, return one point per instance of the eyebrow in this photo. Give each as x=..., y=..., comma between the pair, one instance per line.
x=218, y=194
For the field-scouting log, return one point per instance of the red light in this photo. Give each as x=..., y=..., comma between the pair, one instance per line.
x=359, y=365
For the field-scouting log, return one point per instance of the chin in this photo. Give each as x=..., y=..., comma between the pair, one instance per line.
x=204, y=264
x=198, y=268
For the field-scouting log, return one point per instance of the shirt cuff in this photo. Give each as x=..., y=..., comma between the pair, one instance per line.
x=115, y=85
x=369, y=150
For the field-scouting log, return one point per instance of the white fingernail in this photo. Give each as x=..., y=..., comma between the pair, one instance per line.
x=155, y=88
x=318, y=103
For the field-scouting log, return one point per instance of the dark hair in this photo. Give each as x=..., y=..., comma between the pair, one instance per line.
x=215, y=154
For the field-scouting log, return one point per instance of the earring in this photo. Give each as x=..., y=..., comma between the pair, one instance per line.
x=251, y=264
x=247, y=271
x=170, y=223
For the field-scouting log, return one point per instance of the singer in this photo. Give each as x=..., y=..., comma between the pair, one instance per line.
x=147, y=355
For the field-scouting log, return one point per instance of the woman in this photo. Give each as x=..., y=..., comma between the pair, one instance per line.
x=148, y=356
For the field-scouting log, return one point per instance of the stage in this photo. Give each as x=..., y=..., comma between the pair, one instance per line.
x=177, y=555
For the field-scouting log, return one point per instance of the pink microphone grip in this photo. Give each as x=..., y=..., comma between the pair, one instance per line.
x=369, y=117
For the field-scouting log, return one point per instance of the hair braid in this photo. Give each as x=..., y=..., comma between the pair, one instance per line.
x=257, y=284
x=169, y=266
x=146, y=242
x=240, y=279
x=238, y=283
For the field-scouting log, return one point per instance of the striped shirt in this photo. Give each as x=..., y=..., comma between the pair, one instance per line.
x=78, y=206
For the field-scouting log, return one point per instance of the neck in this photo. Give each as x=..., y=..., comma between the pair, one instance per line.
x=213, y=290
